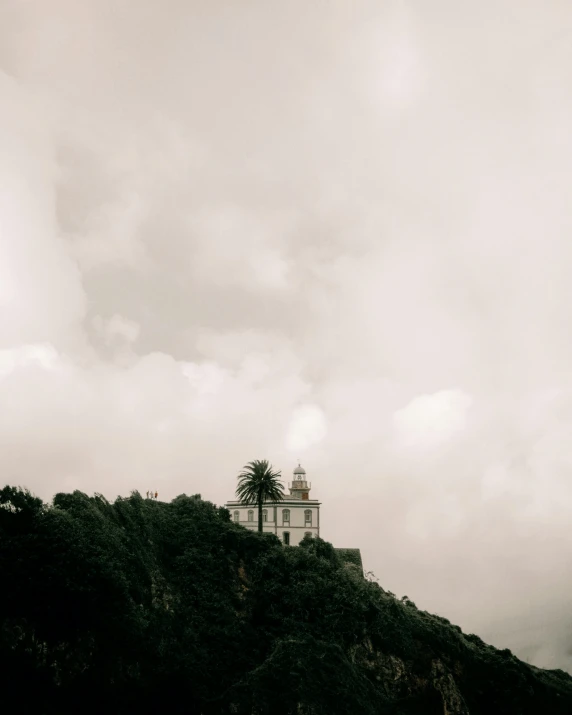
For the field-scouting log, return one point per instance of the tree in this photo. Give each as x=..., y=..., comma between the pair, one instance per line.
x=258, y=483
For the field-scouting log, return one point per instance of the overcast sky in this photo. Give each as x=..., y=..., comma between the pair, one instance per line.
x=334, y=231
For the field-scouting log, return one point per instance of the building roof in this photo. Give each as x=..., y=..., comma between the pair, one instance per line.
x=299, y=470
x=286, y=501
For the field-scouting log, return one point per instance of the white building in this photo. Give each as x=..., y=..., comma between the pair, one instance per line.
x=290, y=519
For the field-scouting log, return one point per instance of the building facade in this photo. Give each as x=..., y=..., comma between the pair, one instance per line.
x=290, y=519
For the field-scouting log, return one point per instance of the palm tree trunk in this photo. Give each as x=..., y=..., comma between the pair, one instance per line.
x=260, y=512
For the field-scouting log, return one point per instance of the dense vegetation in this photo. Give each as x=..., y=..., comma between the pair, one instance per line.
x=147, y=607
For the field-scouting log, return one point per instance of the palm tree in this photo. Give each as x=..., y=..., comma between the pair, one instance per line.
x=258, y=483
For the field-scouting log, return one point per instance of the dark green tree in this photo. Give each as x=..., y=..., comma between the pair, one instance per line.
x=257, y=483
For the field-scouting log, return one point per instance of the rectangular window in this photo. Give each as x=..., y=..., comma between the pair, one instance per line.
x=286, y=538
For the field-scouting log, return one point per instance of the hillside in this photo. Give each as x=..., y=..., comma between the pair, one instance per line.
x=144, y=607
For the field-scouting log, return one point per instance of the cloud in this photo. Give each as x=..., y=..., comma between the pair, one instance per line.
x=41, y=296
x=307, y=427
x=205, y=378
x=230, y=233
x=42, y=356
x=116, y=327
x=432, y=420
x=394, y=75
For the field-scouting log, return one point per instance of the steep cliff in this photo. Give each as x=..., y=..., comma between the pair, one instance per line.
x=147, y=607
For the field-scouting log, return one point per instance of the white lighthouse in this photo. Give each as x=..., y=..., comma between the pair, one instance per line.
x=290, y=519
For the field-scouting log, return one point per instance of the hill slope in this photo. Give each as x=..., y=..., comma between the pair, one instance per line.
x=148, y=607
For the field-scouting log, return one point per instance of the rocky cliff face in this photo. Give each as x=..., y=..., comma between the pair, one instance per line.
x=444, y=682
x=400, y=682
x=479, y=680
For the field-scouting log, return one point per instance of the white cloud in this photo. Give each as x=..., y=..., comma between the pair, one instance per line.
x=116, y=327
x=395, y=74
x=307, y=427
x=270, y=269
x=42, y=356
x=207, y=378
x=42, y=296
x=432, y=420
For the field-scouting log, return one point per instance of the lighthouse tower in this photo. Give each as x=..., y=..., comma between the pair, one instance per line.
x=299, y=488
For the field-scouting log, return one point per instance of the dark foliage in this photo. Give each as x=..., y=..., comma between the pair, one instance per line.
x=148, y=607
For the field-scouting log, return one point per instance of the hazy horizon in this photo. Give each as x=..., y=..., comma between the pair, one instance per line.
x=333, y=232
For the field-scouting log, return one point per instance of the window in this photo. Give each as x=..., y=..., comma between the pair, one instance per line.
x=265, y=515
x=286, y=517
x=308, y=517
x=250, y=515
x=286, y=538
x=308, y=533
x=236, y=516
